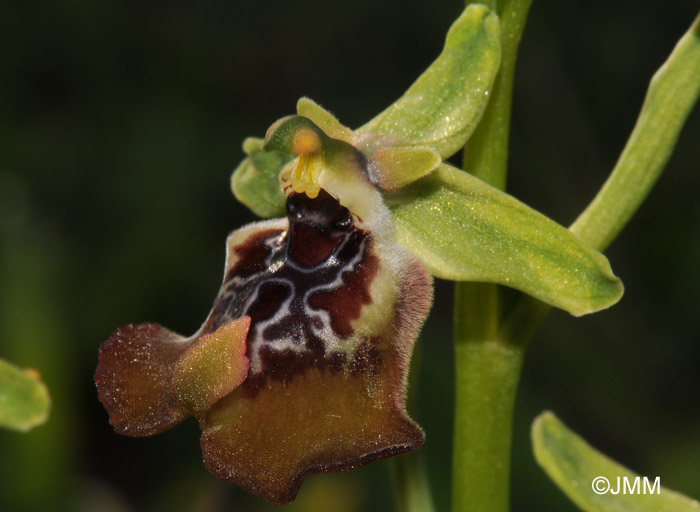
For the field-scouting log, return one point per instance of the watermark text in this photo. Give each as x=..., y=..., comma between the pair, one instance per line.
x=626, y=485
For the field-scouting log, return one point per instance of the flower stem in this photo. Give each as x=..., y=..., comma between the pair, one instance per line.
x=487, y=365
x=486, y=153
x=409, y=474
x=411, y=486
x=488, y=371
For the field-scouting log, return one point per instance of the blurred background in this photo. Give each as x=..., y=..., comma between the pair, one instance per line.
x=120, y=123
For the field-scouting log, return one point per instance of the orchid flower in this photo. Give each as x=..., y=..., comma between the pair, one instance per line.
x=301, y=365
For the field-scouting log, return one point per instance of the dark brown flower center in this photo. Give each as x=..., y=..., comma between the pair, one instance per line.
x=302, y=287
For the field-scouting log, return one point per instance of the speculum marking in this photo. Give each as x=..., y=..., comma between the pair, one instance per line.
x=302, y=287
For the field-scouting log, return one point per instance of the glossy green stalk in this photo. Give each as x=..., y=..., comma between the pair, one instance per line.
x=409, y=473
x=30, y=286
x=487, y=374
x=486, y=153
x=411, y=486
x=487, y=366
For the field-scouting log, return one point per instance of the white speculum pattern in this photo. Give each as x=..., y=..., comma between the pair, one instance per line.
x=242, y=293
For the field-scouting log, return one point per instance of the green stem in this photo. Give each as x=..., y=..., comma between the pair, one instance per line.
x=486, y=153
x=488, y=370
x=494, y=5
x=487, y=366
x=409, y=473
x=36, y=467
x=411, y=485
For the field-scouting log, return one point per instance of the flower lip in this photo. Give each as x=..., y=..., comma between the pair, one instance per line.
x=331, y=332
x=319, y=310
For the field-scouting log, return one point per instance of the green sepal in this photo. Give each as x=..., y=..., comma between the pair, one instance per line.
x=573, y=465
x=465, y=230
x=255, y=182
x=442, y=108
x=24, y=399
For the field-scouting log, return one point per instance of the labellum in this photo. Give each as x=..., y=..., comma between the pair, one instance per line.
x=301, y=365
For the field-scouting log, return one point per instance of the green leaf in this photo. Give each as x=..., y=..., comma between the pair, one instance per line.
x=24, y=399
x=671, y=96
x=573, y=465
x=255, y=182
x=442, y=108
x=465, y=230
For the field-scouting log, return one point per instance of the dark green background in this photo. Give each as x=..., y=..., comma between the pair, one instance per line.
x=120, y=123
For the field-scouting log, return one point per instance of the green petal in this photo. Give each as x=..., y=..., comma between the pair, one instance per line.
x=24, y=399
x=397, y=167
x=465, y=230
x=442, y=108
x=323, y=119
x=255, y=182
x=573, y=465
